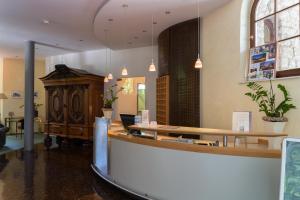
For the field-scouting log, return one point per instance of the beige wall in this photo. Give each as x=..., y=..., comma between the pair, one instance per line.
x=137, y=61
x=223, y=53
x=13, y=79
x=1, y=88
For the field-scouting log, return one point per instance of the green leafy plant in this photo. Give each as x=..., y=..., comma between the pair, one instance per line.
x=110, y=96
x=266, y=100
x=36, y=106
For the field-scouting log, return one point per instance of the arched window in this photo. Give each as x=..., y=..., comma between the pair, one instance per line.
x=277, y=22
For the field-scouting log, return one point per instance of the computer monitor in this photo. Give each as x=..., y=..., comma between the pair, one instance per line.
x=127, y=120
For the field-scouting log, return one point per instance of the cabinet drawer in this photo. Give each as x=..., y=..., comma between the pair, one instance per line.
x=55, y=129
x=77, y=131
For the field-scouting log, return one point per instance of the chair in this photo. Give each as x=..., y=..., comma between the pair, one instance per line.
x=20, y=126
x=3, y=131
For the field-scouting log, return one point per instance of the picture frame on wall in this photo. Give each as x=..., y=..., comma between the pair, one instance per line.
x=15, y=94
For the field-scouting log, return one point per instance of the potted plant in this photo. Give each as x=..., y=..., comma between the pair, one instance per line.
x=109, y=98
x=275, y=111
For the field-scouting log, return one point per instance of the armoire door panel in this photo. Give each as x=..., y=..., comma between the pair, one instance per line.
x=56, y=104
x=76, y=104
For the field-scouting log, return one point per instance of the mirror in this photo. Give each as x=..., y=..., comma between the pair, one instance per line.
x=132, y=100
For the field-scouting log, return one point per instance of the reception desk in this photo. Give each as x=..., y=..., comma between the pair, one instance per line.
x=164, y=169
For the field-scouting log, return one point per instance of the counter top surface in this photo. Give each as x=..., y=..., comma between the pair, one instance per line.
x=203, y=131
x=252, y=151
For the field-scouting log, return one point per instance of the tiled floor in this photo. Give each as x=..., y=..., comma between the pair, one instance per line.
x=60, y=174
x=16, y=143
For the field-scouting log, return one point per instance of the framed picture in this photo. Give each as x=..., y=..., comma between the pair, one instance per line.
x=290, y=169
x=15, y=94
x=262, y=62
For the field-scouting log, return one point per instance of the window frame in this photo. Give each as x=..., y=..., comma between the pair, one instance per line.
x=253, y=21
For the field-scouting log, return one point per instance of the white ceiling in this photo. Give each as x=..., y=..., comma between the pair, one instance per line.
x=126, y=31
x=74, y=20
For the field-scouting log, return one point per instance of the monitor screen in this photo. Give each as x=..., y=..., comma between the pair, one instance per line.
x=127, y=120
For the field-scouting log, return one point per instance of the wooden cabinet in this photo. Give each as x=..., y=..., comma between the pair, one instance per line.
x=162, y=100
x=73, y=100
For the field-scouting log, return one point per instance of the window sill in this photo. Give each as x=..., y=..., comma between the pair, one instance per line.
x=273, y=79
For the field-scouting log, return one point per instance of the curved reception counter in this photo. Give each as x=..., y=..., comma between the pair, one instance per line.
x=166, y=169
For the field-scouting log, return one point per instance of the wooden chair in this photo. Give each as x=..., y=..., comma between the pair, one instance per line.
x=20, y=127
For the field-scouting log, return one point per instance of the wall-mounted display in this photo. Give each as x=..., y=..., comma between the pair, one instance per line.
x=262, y=62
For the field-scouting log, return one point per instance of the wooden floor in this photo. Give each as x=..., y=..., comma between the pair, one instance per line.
x=60, y=174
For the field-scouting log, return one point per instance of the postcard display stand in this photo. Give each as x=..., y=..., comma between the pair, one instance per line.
x=262, y=62
x=241, y=122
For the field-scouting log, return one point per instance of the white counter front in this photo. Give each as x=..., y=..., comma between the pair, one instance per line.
x=152, y=170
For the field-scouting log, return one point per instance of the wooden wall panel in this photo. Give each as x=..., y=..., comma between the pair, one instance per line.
x=164, y=52
x=184, y=78
x=162, y=100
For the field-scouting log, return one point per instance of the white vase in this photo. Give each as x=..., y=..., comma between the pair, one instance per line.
x=274, y=127
x=107, y=113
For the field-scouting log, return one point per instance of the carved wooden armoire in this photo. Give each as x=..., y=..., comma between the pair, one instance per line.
x=73, y=100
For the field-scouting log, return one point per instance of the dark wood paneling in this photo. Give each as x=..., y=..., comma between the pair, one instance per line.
x=184, y=78
x=164, y=52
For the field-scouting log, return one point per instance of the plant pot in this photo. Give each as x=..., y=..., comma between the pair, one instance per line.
x=274, y=127
x=107, y=113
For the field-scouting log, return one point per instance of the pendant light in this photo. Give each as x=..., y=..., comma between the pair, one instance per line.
x=110, y=76
x=106, y=79
x=198, y=63
x=124, y=69
x=152, y=67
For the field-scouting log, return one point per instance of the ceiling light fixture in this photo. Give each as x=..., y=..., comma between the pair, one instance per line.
x=124, y=70
x=106, y=79
x=110, y=76
x=46, y=21
x=152, y=67
x=198, y=63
